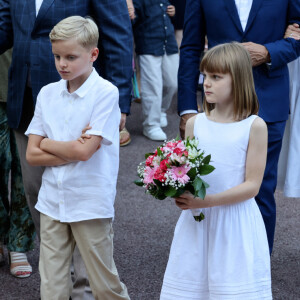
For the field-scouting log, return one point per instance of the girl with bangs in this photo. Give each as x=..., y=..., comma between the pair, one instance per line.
x=225, y=256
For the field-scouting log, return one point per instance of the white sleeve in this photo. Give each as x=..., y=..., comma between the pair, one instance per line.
x=36, y=124
x=106, y=116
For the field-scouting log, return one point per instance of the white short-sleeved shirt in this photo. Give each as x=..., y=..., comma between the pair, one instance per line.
x=86, y=189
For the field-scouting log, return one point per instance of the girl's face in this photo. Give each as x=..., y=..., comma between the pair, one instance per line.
x=218, y=88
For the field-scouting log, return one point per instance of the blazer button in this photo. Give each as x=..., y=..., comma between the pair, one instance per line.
x=244, y=40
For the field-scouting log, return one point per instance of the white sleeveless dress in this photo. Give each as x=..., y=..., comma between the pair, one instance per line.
x=226, y=256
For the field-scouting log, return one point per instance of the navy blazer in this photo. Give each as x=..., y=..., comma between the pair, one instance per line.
x=219, y=20
x=28, y=34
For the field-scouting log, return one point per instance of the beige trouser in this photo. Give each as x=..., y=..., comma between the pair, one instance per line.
x=94, y=239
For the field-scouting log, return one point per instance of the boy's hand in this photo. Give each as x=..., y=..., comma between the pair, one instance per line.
x=171, y=10
x=84, y=135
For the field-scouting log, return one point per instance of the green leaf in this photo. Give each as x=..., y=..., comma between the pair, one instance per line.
x=200, y=217
x=206, y=159
x=201, y=192
x=177, y=137
x=205, y=184
x=206, y=169
x=157, y=182
x=192, y=173
x=148, y=154
x=139, y=183
x=159, y=152
x=197, y=183
x=170, y=192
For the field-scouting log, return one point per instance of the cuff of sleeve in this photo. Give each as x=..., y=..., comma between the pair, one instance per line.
x=107, y=140
x=188, y=111
x=36, y=132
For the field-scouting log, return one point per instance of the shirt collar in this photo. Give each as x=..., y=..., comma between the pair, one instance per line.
x=83, y=89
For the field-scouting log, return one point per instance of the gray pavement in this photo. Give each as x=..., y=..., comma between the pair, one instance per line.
x=144, y=228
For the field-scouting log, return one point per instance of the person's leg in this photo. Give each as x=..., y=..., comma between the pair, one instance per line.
x=32, y=176
x=170, y=64
x=5, y=158
x=265, y=198
x=94, y=239
x=32, y=179
x=151, y=92
x=22, y=232
x=81, y=287
x=56, y=248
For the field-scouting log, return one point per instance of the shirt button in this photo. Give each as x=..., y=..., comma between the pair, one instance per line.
x=59, y=182
x=166, y=27
x=161, y=4
x=164, y=15
x=61, y=202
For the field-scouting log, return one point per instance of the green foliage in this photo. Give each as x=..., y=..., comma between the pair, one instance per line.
x=206, y=159
x=205, y=169
x=148, y=154
x=139, y=182
x=200, y=217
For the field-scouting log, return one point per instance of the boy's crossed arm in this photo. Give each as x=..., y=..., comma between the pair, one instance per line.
x=46, y=152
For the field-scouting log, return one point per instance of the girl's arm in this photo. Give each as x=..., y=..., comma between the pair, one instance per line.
x=35, y=156
x=255, y=167
x=72, y=150
x=189, y=129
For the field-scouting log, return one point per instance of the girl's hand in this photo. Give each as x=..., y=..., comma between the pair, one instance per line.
x=84, y=135
x=188, y=201
x=292, y=31
x=171, y=10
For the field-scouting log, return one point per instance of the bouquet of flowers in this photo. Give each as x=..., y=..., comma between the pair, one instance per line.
x=174, y=167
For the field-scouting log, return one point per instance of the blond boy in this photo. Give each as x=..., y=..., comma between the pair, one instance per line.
x=79, y=182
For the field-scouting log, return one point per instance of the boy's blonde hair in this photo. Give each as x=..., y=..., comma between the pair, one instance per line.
x=84, y=30
x=234, y=59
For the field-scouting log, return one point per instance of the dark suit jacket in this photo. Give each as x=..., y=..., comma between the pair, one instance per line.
x=29, y=35
x=219, y=20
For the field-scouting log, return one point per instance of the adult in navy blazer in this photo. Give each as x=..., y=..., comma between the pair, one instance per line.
x=28, y=34
x=270, y=53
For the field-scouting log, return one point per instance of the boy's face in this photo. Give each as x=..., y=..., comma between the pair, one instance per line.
x=72, y=61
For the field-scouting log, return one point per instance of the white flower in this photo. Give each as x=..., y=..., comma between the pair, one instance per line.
x=193, y=153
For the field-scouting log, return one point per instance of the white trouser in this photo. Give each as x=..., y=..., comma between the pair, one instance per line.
x=158, y=86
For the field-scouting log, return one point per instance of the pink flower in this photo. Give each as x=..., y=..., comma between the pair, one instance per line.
x=180, y=174
x=163, y=164
x=160, y=175
x=181, y=145
x=171, y=145
x=149, y=160
x=149, y=174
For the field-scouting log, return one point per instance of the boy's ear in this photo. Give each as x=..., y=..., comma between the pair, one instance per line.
x=94, y=54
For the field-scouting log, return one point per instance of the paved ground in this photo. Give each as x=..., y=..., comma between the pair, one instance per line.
x=144, y=228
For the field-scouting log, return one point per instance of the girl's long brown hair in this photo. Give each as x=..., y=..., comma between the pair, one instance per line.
x=234, y=59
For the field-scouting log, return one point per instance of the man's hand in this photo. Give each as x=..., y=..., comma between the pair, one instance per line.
x=182, y=124
x=171, y=10
x=293, y=31
x=122, y=122
x=259, y=53
x=130, y=9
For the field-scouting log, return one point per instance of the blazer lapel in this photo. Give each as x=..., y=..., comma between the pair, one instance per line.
x=44, y=8
x=253, y=12
x=232, y=11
